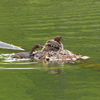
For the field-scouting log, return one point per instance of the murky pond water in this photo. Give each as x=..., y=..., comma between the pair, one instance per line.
x=28, y=22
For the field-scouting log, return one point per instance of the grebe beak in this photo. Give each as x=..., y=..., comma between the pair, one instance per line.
x=62, y=39
x=41, y=46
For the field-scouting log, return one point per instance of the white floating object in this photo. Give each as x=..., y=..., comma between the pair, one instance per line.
x=85, y=57
x=9, y=46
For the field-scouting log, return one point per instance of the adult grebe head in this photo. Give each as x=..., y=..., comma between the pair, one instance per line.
x=37, y=46
x=58, y=38
x=34, y=47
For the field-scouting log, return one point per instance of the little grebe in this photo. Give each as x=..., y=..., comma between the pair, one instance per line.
x=53, y=45
x=26, y=54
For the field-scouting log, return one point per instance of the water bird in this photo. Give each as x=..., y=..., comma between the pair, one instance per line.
x=53, y=45
x=26, y=54
x=53, y=51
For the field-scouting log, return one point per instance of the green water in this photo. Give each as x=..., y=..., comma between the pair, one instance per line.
x=28, y=22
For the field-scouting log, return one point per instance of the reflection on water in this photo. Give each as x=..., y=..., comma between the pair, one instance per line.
x=53, y=67
x=17, y=68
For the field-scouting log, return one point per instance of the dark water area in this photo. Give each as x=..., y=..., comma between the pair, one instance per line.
x=28, y=22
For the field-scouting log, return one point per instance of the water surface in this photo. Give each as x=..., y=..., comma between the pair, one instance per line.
x=28, y=22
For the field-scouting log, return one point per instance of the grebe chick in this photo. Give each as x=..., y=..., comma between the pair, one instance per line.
x=26, y=54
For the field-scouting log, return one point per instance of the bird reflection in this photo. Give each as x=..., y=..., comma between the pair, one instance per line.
x=54, y=67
